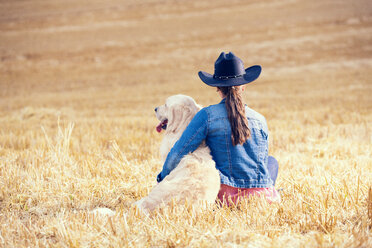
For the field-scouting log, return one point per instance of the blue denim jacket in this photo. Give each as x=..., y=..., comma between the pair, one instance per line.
x=241, y=166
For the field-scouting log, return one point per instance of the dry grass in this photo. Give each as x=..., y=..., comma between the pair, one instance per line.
x=78, y=84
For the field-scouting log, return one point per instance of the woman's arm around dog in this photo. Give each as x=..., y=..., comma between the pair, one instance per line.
x=191, y=138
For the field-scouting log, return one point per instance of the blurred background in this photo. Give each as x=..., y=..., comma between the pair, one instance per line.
x=87, y=60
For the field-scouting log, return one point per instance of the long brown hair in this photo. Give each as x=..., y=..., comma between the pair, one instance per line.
x=240, y=131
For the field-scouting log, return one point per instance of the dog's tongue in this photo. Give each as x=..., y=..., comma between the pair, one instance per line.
x=158, y=127
x=161, y=125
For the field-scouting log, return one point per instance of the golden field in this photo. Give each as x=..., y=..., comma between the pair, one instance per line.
x=78, y=84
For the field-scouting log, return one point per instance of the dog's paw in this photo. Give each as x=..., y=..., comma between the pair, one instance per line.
x=103, y=212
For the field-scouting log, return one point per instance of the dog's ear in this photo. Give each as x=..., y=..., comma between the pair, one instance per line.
x=178, y=118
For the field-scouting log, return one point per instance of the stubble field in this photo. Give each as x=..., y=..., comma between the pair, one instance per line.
x=78, y=84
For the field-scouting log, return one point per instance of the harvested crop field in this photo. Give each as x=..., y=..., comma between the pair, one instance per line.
x=79, y=81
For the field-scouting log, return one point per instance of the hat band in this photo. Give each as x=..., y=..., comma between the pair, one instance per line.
x=226, y=77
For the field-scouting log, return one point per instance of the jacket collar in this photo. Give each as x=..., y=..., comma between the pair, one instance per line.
x=223, y=100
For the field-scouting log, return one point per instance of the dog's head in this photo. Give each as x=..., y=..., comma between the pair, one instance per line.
x=176, y=113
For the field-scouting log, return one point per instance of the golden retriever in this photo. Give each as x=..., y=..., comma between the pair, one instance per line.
x=195, y=178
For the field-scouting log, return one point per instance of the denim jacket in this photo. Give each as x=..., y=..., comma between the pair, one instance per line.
x=241, y=166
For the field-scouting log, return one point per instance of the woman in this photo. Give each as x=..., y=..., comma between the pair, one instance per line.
x=236, y=135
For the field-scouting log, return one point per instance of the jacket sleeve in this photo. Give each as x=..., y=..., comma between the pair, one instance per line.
x=191, y=138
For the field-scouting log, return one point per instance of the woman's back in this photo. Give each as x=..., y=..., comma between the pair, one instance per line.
x=241, y=165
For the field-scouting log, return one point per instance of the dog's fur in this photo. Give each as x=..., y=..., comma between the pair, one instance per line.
x=195, y=178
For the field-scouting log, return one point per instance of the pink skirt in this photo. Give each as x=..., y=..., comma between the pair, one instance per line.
x=228, y=194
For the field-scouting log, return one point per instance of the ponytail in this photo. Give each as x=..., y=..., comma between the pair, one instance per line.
x=240, y=131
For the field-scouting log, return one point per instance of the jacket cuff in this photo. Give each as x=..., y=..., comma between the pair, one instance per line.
x=158, y=178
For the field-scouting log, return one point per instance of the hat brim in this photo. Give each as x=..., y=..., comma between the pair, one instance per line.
x=251, y=74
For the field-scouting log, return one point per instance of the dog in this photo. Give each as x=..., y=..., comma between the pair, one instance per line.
x=195, y=178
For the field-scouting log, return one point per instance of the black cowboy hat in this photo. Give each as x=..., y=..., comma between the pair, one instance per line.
x=229, y=71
